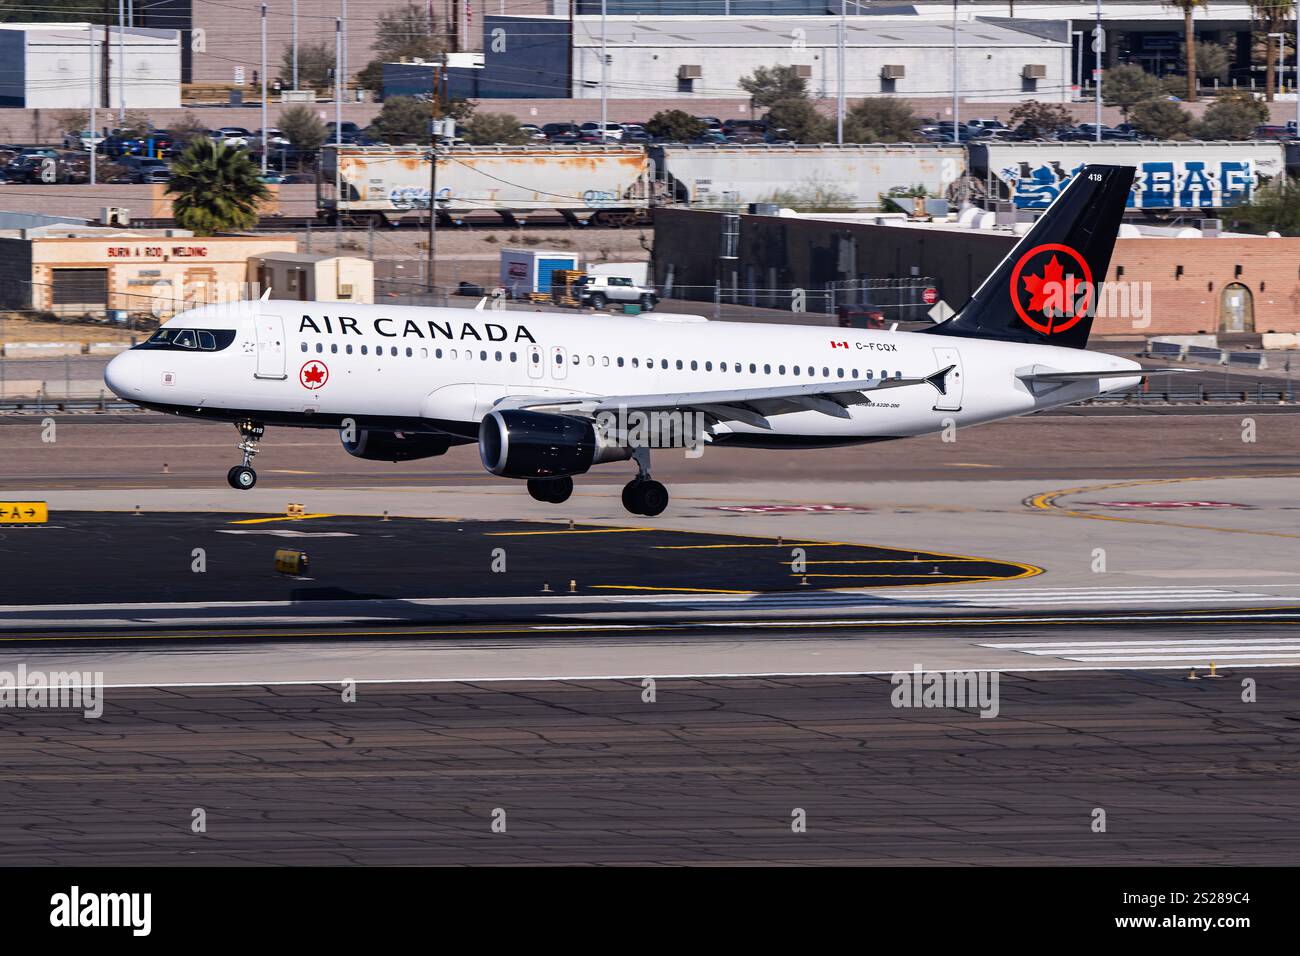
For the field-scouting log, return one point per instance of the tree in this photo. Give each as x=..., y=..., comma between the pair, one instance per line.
x=1213, y=60
x=676, y=126
x=187, y=128
x=407, y=32
x=1275, y=207
x=303, y=129
x=1040, y=120
x=406, y=120
x=315, y=66
x=800, y=120
x=1189, y=41
x=487, y=129
x=1232, y=116
x=1271, y=15
x=768, y=85
x=1162, y=119
x=1127, y=85
x=403, y=33
x=216, y=187
x=880, y=119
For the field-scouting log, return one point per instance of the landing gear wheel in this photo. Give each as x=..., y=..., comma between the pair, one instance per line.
x=241, y=477
x=554, y=491
x=645, y=497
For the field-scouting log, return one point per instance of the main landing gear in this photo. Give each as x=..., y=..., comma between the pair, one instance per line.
x=242, y=476
x=643, y=495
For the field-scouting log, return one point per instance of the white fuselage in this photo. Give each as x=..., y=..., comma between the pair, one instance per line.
x=306, y=363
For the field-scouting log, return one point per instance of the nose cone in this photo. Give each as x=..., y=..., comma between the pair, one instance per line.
x=125, y=375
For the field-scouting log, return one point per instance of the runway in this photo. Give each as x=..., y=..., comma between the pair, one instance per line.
x=709, y=772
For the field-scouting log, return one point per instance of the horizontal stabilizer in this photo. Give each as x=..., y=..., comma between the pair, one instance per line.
x=1090, y=376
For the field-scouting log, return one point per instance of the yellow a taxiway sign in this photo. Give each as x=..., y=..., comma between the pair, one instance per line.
x=23, y=512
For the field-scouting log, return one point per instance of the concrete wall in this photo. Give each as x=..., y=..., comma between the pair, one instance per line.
x=144, y=202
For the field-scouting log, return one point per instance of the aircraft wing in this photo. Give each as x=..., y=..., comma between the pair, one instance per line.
x=750, y=406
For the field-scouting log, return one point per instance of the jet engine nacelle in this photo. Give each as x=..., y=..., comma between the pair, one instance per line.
x=377, y=445
x=521, y=444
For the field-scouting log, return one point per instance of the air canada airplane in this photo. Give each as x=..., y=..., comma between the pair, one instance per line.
x=547, y=396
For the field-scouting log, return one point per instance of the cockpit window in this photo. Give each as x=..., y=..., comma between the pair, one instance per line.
x=190, y=340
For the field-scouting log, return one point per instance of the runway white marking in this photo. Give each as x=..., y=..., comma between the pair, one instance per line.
x=1199, y=650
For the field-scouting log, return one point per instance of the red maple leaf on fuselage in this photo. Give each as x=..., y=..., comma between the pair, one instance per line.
x=1052, y=291
x=314, y=374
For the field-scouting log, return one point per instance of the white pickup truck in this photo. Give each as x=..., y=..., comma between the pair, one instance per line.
x=598, y=291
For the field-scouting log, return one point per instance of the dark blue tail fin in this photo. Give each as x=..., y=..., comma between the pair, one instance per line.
x=1045, y=291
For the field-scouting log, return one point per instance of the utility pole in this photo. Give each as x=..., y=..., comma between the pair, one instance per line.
x=1098, y=45
x=839, y=75
x=293, y=42
x=338, y=134
x=341, y=61
x=266, y=147
x=121, y=62
x=956, y=80
x=604, y=61
x=1297, y=81
x=436, y=127
x=94, y=65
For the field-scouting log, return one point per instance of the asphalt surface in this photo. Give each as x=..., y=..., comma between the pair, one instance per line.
x=89, y=557
x=712, y=772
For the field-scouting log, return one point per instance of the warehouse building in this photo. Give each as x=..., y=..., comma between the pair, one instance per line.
x=681, y=58
x=1163, y=280
x=55, y=65
x=96, y=269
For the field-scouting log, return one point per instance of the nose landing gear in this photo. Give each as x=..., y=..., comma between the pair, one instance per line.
x=243, y=476
x=643, y=495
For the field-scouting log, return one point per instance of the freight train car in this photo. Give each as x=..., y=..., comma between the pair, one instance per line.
x=808, y=178
x=1171, y=176
x=605, y=184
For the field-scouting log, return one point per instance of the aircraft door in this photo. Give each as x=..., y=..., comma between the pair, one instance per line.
x=950, y=400
x=536, y=359
x=559, y=362
x=270, y=347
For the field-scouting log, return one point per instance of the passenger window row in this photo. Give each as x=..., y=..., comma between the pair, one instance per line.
x=767, y=369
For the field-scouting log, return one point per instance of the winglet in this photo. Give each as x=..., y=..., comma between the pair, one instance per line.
x=940, y=379
x=265, y=295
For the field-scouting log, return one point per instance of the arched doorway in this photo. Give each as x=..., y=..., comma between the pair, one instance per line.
x=1236, y=309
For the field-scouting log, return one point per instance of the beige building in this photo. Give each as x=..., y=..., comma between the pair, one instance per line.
x=317, y=278
x=77, y=270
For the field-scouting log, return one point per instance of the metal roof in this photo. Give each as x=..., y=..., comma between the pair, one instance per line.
x=780, y=31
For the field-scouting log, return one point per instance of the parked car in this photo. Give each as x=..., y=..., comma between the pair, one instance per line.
x=86, y=139
x=613, y=131
x=553, y=130
x=143, y=169
x=599, y=291
x=635, y=133
x=1273, y=132
x=533, y=132
x=234, y=136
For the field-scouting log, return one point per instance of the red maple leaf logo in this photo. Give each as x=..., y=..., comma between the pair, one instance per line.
x=314, y=375
x=1052, y=291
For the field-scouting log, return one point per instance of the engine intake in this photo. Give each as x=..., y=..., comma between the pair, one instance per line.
x=521, y=444
x=377, y=445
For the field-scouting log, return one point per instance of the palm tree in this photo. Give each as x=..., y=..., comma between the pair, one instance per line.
x=1271, y=14
x=1189, y=40
x=217, y=188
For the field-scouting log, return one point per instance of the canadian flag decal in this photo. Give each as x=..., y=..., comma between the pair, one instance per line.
x=839, y=345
